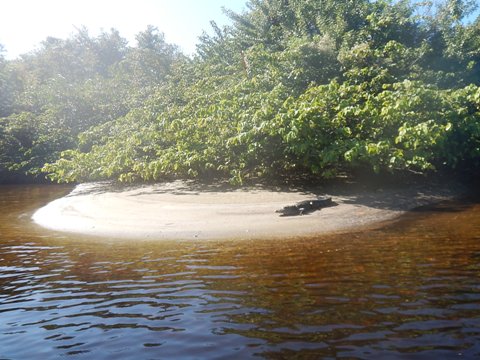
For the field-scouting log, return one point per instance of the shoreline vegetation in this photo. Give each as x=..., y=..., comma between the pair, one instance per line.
x=290, y=89
x=185, y=210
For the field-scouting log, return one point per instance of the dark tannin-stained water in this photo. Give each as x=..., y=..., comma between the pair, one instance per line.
x=410, y=290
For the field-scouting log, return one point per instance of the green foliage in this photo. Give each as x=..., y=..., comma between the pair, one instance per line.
x=407, y=126
x=51, y=96
x=8, y=86
x=292, y=88
x=28, y=141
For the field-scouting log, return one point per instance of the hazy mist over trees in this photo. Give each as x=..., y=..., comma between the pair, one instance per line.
x=292, y=88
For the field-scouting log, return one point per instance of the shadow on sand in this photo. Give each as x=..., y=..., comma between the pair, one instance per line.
x=375, y=194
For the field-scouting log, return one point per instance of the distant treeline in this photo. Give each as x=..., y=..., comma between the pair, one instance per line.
x=293, y=88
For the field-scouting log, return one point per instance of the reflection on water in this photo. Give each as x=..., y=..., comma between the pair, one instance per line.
x=411, y=290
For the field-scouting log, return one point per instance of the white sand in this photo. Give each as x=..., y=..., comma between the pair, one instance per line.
x=181, y=210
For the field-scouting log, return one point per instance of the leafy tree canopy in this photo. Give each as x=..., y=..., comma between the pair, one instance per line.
x=292, y=88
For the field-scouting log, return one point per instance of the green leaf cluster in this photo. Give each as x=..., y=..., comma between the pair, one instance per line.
x=291, y=89
x=49, y=97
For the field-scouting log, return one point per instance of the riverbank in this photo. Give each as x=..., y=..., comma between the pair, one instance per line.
x=185, y=210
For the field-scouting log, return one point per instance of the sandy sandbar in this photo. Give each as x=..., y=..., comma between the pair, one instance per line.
x=183, y=210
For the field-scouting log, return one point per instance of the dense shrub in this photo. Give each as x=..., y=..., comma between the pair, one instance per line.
x=292, y=88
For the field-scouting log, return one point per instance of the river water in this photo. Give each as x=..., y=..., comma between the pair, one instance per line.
x=410, y=290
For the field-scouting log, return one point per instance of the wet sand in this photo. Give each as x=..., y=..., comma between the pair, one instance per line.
x=184, y=210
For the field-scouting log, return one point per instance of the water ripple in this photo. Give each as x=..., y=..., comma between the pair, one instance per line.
x=398, y=292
